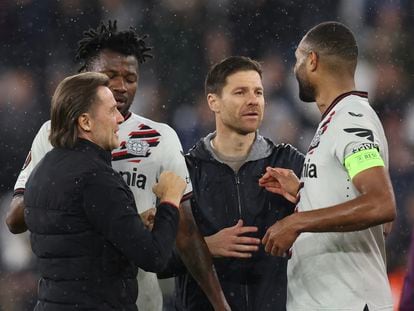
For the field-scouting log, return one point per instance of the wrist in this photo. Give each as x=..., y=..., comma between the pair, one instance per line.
x=172, y=203
x=297, y=222
x=298, y=187
x=172, y=198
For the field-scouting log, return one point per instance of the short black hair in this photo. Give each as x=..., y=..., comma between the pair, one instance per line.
x=108, y=37
x=333, y=38
x=216, y=77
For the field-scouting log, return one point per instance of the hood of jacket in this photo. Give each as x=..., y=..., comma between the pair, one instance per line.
x=262, y=147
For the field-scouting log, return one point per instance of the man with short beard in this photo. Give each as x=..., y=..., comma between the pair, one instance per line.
x=344, y=196
x=231, y=209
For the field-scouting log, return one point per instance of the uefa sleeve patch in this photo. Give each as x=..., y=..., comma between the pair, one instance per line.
x=362, y=160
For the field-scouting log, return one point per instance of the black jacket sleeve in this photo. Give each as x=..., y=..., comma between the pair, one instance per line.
x=110, y=207
x=174, y=267
x=294, y=159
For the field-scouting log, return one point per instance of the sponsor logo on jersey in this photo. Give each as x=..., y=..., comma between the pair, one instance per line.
x=138, y=145
x=361, y=132
x=322, y=129
x=365, y=146
x=309, y=170
x=134, y=179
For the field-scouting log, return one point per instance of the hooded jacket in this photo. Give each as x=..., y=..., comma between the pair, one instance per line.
x=220, y=198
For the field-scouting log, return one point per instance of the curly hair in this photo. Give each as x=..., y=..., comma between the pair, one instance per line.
x=108, y=37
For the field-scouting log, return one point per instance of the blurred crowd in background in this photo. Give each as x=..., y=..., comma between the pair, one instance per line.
x=38, y=42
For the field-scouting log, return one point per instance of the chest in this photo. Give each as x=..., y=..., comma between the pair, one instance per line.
x=222, y=197
x=140, y=154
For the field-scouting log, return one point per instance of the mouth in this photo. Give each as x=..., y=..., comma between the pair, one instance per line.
x=251, y=114
x=120, y=100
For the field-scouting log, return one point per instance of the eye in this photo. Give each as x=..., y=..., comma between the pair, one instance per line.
x=131, y=79
x=109, y=74
x=239, y=92
x=259, y=92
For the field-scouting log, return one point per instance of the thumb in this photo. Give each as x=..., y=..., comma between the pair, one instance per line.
x=266, y=237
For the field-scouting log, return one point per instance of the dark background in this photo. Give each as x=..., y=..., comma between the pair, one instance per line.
x=38, y=41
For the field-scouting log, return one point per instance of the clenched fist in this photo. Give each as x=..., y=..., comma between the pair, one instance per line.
x=170, y=187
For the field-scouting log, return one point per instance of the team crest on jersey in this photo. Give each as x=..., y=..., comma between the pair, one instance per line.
x=138, y=145
x=322, y=129
x=316, y=139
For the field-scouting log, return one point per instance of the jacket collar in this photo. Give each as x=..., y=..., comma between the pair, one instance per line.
x=262, y=148
x=84, y=145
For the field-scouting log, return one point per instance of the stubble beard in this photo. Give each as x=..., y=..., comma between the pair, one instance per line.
x=239, y=129
x=306, y=91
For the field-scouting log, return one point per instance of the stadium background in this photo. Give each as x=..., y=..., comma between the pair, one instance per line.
x=38, y=40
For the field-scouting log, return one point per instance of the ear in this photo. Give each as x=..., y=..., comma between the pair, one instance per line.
x=85, y=122
x=213, y=102
x=313, y=61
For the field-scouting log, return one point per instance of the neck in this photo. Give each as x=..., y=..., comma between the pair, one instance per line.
x=232, y=144
x=126, y=115
x=331, y=89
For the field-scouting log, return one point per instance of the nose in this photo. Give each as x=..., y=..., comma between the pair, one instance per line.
x=253, y=98
x=118, y=84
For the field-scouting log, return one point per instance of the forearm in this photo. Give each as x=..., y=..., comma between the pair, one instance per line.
x=361, y=213
x=149, y=250
x=195, y=254
x=15, y=216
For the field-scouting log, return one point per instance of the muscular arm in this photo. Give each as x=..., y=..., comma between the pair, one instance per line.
x=375, y=205
x=196, y=257
x=15, y=216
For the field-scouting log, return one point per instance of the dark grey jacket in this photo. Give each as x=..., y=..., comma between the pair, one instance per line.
x=86, y=233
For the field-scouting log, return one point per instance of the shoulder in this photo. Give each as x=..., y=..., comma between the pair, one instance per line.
x=355, y=118
x=41, y=144
x=46, y=126
x=287, y=149
x=354, y=110
x=149, y=124
x=44, y=129
x=288, y=156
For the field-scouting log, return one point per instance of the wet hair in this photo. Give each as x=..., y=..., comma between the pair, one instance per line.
x=333, y=38
x=216, y=77
x=74, y=96
x=107, y=36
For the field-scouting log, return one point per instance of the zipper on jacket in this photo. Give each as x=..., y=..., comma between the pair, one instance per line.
x=246, y=293
x=245, y=287
x=238, y=194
